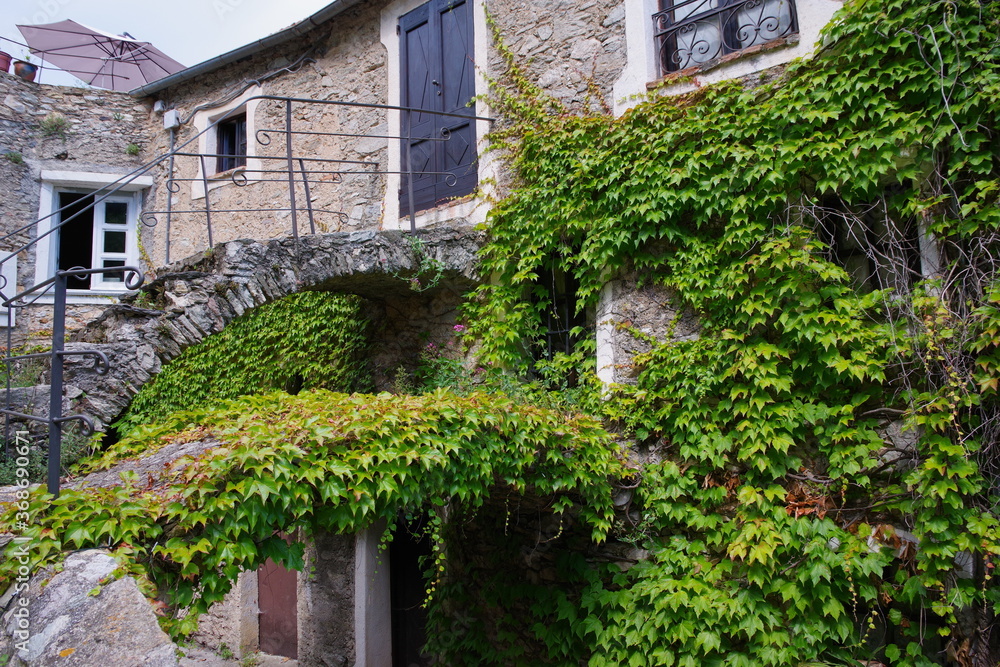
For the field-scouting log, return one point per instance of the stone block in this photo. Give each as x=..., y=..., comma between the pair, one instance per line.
x=84, y=616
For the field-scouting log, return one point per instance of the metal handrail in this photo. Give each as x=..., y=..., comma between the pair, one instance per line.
x=104, y=192
x=298, y=170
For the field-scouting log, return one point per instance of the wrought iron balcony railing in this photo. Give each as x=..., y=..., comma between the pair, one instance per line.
x=695, y=32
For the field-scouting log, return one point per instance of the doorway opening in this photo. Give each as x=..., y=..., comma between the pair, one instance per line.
x=409, y=552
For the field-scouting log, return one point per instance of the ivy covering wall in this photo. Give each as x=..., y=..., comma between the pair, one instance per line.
x=304, y=341
x=823, y=488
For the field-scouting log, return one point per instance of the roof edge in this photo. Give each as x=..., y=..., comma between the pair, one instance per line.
x=305, y=25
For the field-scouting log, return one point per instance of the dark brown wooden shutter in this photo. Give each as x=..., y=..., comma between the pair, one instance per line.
x=437, y=75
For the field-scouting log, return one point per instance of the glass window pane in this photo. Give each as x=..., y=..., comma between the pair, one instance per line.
x=115, y=213
x=114, y=241
x=117, y=277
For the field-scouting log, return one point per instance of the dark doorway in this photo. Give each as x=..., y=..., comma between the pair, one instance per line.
x=408, y=551
x=76, y=237
x=557, y=289
x=437, y=74
x=278, y=601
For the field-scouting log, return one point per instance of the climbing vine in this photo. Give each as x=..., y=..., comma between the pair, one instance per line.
x=304, y=341
x=316, y=461
x=816, y=469
x=824, y=462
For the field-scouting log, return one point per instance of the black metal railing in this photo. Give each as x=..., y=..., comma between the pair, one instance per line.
x=694, y=32
x=305, y=177
x=302, y=176
x=56, y=355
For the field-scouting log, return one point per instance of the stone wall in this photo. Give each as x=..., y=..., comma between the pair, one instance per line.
x=99, y=127
x=232, y=623
x=198, y=298
x=631, y=318
x=405, y=327
x=342, y=61
x=326, y=602
x=574, y=51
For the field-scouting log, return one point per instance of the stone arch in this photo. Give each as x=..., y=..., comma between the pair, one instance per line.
x=197, y=297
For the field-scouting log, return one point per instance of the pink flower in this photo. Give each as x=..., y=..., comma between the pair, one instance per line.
x=459, y=328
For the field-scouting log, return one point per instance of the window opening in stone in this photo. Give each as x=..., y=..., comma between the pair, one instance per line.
x=873, y=243
x=293, y=384
x=556, y=290
x=76, y=237
x=99, y=235
x=231, y=143
x=694, y=32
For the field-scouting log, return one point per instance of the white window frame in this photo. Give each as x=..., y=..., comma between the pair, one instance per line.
x=100, y=254
x=54, y=182
x=8, y=270
x=208, y=141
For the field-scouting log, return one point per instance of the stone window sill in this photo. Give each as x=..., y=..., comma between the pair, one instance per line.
x=680, y=75
x=228, y=174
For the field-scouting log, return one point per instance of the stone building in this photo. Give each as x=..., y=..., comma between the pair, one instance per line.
x=58, y=144
x=205, y=154
x=369, y=115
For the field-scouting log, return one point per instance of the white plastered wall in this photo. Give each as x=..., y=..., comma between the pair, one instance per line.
x=372, y=607
x=606, y=331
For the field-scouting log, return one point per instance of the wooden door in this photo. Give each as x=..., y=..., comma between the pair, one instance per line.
x=278, y=601
x=437, y=75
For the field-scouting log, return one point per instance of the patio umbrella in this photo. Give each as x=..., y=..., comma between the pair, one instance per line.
x=118, y=62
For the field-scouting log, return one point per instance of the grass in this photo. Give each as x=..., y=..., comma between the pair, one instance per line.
x=54, y=125
x=74, y=447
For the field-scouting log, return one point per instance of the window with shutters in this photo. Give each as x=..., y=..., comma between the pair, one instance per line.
x=437, y=77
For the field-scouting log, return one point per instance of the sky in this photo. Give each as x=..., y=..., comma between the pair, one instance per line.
x=190, y=31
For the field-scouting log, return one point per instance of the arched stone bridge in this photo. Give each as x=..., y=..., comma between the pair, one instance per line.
x=197, y=297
